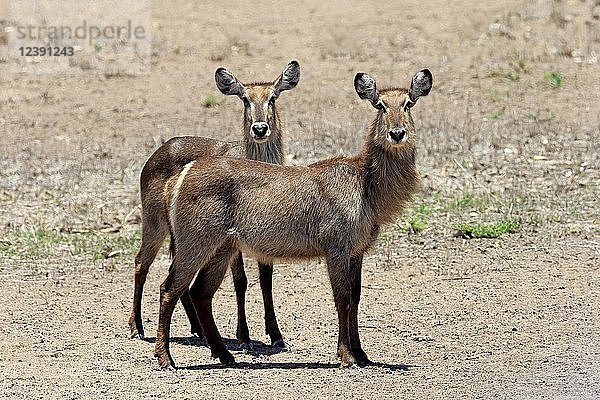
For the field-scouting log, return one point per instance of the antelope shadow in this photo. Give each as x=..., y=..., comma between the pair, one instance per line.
x=262, y=349
x=293, y=365
x=256, y=348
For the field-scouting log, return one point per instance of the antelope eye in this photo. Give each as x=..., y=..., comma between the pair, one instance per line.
x=246, y=100
x=381, y=106
x=271, y=100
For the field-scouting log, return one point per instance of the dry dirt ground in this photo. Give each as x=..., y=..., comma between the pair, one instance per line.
x=510, y=132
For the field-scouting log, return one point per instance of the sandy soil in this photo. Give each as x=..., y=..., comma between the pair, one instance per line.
x=442, y=316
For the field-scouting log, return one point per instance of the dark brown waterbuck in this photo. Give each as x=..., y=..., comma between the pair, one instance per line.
x=263, y=133
x=331, y=209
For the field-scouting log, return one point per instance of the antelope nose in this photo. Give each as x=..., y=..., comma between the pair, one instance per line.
x=260, y=129
x=397, y=134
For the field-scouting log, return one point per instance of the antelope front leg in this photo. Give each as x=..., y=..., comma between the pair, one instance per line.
x=202, y=292
x=211, y=332
x=340, y=284
x=177, y=282
x=359, y=354
x=240, y=282
x=170, y=291
x=266, y=286
x=161, y=349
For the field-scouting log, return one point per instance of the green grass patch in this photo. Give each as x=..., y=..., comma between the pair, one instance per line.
x=415, y=224
x=39, y=243
x=469, y=201
x=211, y=101
x=493, y=230
x=554, y=78
x=33, y=244
x=416, y=219
x=436, y=214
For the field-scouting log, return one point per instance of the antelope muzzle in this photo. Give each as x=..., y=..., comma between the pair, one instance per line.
x=397, y=135
x=260, y=131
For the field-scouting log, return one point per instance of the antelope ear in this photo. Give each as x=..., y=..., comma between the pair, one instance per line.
x=288, y=79
x=228, y=83
x=366, y=88
x=420, y=85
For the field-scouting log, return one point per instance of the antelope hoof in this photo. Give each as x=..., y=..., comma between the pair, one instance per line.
x=196, y=330
x=246, y=347
x=280, y=344
x=136, y=332
x=348, y=361
x=361, y=358
x=243, y=336
x=349, y=364
x=164, y=361
x=226, y=358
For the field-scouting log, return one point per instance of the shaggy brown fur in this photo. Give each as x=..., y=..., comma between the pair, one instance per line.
x=168, y=161
x=331, y=209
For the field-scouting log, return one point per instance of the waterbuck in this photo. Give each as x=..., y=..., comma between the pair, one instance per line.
x=263, y=141
x=332, y=209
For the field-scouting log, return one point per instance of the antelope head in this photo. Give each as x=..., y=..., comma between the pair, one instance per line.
x=260, y=114
x=394, y=122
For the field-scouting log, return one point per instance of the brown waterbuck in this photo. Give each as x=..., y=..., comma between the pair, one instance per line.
x=331, y=209
x=262, y=141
